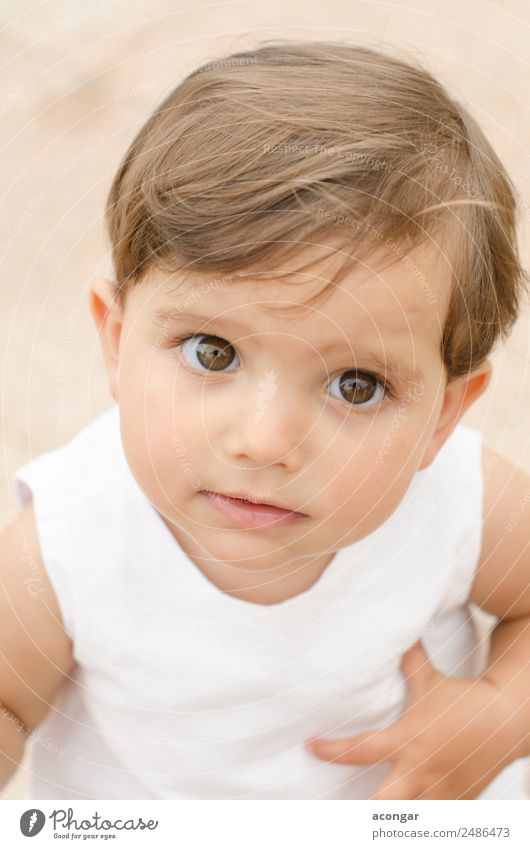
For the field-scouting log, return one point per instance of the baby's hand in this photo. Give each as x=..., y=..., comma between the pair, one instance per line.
x=453, y=738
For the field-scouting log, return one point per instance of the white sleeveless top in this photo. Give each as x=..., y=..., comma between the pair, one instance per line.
x=181, y=691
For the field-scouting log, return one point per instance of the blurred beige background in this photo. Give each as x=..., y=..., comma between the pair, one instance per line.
x=78, y=79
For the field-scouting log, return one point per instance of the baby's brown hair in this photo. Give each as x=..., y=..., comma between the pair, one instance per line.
x=257, y=155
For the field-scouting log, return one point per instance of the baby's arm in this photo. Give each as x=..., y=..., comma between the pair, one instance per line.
x=457, y=734
x=35, y=651
x=502, y=582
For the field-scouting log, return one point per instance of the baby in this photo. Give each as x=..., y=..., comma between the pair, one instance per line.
x=251, y=577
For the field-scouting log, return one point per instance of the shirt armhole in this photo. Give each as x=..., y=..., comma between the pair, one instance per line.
x=469, y=517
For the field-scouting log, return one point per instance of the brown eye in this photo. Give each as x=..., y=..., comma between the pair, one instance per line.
x=359, y=388
x=211, y=352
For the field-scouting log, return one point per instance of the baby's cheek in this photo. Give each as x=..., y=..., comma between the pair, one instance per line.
x=353, y=490
x=366, y=492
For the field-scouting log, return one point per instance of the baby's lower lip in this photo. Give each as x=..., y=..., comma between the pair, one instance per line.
x=249, y=515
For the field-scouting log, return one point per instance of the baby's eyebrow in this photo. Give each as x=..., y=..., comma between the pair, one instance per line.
x=396, y=370
x=170, y=315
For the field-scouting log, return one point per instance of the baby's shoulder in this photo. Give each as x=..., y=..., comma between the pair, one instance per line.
x=502, y=582
x=506, y=492
x=83, y=469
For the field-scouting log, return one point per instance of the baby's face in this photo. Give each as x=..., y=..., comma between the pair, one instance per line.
x=286, y=407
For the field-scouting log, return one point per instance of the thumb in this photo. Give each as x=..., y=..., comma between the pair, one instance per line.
x=397, y=785
x=369, y=747
x=417, y=668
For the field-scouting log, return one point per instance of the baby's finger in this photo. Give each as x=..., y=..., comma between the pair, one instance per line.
x=419, y=672
x=396, y=786
x=371, y=747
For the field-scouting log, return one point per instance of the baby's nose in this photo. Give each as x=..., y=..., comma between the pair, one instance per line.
x=268, y=428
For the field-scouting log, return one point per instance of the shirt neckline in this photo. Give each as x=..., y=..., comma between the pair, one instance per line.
x=343, y=561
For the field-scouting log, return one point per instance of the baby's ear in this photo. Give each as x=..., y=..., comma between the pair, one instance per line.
x=459, y=394
x=108, y=316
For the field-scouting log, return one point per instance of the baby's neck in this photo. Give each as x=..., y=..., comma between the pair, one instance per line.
x=265, y=586
x=257, y=584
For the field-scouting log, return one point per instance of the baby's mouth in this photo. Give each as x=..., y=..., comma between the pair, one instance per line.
x=248, y=513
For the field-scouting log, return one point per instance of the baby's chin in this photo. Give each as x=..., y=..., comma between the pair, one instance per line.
x=253, y=549
x=247, y=549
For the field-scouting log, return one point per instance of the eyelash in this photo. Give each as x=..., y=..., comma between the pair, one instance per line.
x=388, y=389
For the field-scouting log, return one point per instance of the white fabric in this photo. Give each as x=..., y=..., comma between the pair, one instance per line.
x=182, y=691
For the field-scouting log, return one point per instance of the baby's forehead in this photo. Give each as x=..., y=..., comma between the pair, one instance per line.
x=386, y=291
